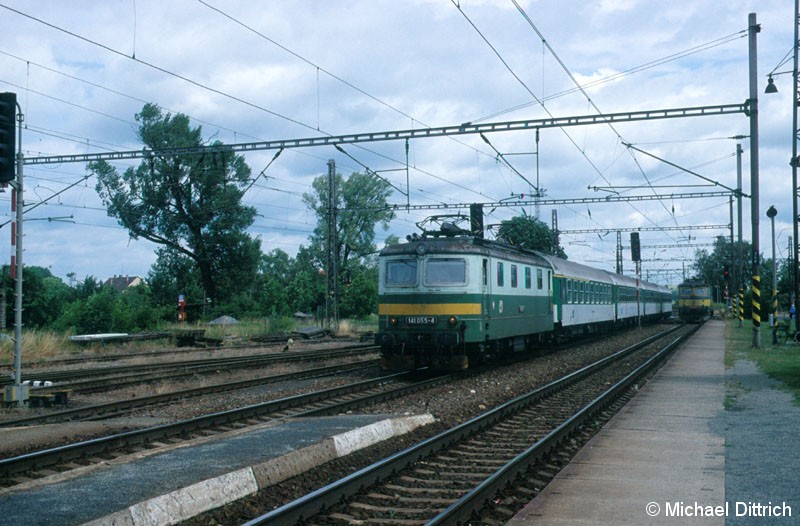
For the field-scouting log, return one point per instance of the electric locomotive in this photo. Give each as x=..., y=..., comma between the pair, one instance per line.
x=694, y=301
x=448, y=299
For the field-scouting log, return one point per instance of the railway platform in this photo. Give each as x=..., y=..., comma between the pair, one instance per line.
x=167, y=486
x=660, y=460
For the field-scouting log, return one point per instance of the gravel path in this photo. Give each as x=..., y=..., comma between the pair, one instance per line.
x=762, y=436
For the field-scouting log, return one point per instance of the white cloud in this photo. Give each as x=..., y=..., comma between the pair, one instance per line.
x=423, y=62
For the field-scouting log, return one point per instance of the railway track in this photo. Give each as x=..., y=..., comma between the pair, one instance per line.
x=258, y=343
x=122, y=407
x=102, y=378
x=25, y=468
x=466, y=473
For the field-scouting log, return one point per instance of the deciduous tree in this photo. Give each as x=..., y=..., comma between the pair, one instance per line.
x=191, y=204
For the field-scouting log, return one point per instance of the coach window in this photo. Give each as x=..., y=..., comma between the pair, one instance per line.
x=499, y=274
x=569, y=291
x=513, y=276
x=527, y=277
x=539, y=278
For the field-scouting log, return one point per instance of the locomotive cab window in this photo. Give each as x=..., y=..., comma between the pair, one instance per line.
x=401, y=273
x=446, y=271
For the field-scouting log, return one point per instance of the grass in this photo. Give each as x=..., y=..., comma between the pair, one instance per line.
x=780, y=362
x=39, y=344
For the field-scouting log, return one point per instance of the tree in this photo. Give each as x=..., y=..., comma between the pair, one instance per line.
x=709, y=267
x=360, y=202
x=529, y=233
x=190, y=204
x=275, y=277
x=44, y=299
x=172, y=274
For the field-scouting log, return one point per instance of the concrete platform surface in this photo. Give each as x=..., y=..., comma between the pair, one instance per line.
x=659, y=460
x=166, y=487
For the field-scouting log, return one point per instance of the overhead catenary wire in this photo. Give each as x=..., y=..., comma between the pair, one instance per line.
x=205, y=86
x=589, y=99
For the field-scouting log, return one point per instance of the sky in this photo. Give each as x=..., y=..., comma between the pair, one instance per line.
x=254, y=71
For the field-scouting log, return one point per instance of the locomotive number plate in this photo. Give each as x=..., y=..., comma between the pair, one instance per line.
x=421, y=320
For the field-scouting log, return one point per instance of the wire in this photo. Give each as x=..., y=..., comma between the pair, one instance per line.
x=159, y=68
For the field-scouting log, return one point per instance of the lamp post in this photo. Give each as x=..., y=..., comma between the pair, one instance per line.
x=794, y=161
x=771, y=213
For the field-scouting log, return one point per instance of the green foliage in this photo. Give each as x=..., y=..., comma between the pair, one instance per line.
x=709, y=268
x=530, y=233
x=111, y=311
x=360, y=202
x=359, y=295
x=190, y=204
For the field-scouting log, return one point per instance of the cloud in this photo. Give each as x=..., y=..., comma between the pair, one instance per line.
x=305, y=68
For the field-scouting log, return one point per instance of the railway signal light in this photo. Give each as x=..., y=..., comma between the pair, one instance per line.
x=8, y=111
x=636, y=253
x=725, y=274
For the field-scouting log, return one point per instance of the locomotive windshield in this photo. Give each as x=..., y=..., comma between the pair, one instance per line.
x=693, y=292
x=401, y=273
x=448, y=271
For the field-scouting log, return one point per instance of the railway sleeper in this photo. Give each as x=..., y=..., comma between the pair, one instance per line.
x=511, y=443
x=418, y=482
x=394, y=499
x=489, y=464
x=449, y=475
x=394, y=512
x=343, y=518
x=474, y=458
x=467, y=469
x=486, y=454
x=441, y=492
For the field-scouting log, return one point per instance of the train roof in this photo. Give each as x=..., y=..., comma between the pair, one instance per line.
x=463, y=245
x=693, y=283
x=487, y=247
x=570, y=269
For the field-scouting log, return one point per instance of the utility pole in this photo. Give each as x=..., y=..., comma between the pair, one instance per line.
x=753, y=29
x=9, y=112
x=332, y=282
x=738, y=269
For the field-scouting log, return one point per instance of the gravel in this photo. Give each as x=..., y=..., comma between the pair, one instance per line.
x=761, y=429
x=450, y=404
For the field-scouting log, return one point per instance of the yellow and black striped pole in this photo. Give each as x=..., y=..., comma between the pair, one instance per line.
x=741, y=306
x=756, y=310
x=774, y=316
x=775, y=305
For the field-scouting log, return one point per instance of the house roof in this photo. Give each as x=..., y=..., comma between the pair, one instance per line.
x=121, y=283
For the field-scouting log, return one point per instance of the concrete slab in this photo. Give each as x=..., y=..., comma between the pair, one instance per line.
x=656, y=462
x=167, y=487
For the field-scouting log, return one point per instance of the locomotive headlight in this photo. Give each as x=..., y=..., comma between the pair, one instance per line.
x=393, y=320
x=452, y=320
